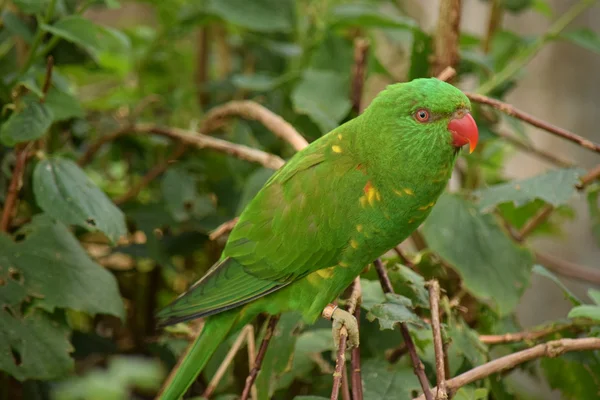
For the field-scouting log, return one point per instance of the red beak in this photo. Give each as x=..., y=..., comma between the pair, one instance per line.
x=464, y=130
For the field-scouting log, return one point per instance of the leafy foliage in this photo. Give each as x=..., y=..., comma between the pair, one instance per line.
x=109, y=225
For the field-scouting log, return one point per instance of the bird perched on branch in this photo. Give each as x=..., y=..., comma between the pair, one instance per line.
x=330, y=210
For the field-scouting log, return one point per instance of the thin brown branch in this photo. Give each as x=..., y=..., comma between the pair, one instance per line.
x=447, y=74
x=535, y=221
x=419, y=369
x=553, y=348
x=254, y=111
x=97, y=145
x=154, y=173
x=361, y=48
x=532, y=335
x=590, y=177
x=404, y=258
x=544, y=155
x=509, y=109
x=445, y=42
x=339, y=364
x=16, y=182
x=246, y=335
x=223, y=229
x=438, y=346
x=345, y=384
x=569, y=269
x=357, y=389
x=201, y=73
x=259, y=358
x=47, y=78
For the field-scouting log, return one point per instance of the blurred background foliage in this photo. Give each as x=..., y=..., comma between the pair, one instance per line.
x=96, y=245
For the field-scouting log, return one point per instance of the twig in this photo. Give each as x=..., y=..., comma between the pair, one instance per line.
x=223, y=229
x=361, y=47
x=550, y=349
x=47, y=78
x=352, y=305
x=16, y=181
x=254, y=111
x=345, y=385
x=403, y=257
x=526, y=147
x=261, y=355
x=445, y=42
x=535, y=221
x=447, y=74
x=531, y=335
x=569, y=269
x=357, y=389
x=590, y=177
x=529, y=52
x=201, y=73
x=438, y=346
x=509, y=109
x=419, y=369
x=154, y=173
x=495, y=20
x=190, y=138
x=246, y=335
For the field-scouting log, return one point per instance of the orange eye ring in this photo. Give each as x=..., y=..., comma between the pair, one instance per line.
x=422, y=115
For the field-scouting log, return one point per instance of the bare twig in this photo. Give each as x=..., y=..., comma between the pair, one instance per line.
x=531, y=335
x=259, y=358
x=550, y=349
x=526, y=147
x=47, y=78
x=16, y=181
x=569, y=269
x=534, y=222
x=339, y=364
x=438, y=346
x=154, y=173
x=223, y=229
x=254, y=111
x=345, y=384
x=387, y=287
x=509, y=109
x=445, y=42
x=361, y=47
x=447, y=74
x=246, y=335
x=590, y=177
x=97, y=145
x=357, y=389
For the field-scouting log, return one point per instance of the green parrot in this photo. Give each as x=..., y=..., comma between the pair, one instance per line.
x=332, y=209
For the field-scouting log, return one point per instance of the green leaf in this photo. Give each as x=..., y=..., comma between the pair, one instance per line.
x=334, y=53
x=542, y=7
x=16, y=26
x=257, y=82
x=258, y=15
x=372, y=293
x=555, y=187
x=585, y=37
x=181, y=197
x=421, y=50
x=365, y=15
x=409, y=284
x=50, y=265
x=594, y=295
x=593, y=201
x=466, y=344
x=394, y=310
x=540, y=270
x=471, y=393
x=28, y=123
x=574, y=374
x=32, y=6
x=323, y=96
x=63, y=191
x=63, y=105
x=33, y=346
x=480, y=251
x=516, y=6
x=383, y=381
x=586, y=311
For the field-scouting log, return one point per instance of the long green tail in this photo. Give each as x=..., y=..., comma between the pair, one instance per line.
x=197, y=356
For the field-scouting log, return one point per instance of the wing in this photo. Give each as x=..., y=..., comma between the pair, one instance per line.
x=299, y=222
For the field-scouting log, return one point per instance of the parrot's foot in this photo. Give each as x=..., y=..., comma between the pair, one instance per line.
x=342, y=319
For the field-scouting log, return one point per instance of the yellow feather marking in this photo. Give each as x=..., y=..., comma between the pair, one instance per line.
x=340, y=136
x=325, y=273
x=359, y=227
x=336, y=148
x=409, y=191
x=363, y=201
x=410, y=221
x=353, y=243
x=373, y=195
x=399, y=193
x=423, y=208
x=343, y=264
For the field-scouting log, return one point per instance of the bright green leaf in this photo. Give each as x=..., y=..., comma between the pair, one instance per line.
x=365, y=15
x=540, y=270
x=323, y=96
x=33, y=346
x=471, y=393
x=585, y=37
x=383, y=381
x=542, y=7
x=50, y=264
x=586, y=311
x=554, y=187
x=259, y=15
x=480, y=251
x=63, y=191
x=28, y=123
x=394, y=310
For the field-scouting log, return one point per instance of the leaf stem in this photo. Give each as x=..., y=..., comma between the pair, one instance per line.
x=39, y=35
x=529, y=52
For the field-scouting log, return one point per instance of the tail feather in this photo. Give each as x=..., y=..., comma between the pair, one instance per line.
x=197, y=356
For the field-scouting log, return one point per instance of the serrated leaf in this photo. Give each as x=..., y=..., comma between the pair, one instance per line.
x=28, y=123
x=364, y=15
x=372, y=293
x=34, y=346
x=554, y=187
x=50, y=265
x=481, y=252
x=383, y=381
x=586, y=311
x=63, y=191
x=258, y=15
x=585, y=37
x=540, y=270
x=394, y=310
x=323, y=96
x=410, y=284
x=63, y=105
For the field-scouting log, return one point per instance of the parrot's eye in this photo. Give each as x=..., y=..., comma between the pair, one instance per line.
x=422, y=115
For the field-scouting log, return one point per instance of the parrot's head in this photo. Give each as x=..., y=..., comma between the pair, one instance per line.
x=426, y=115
